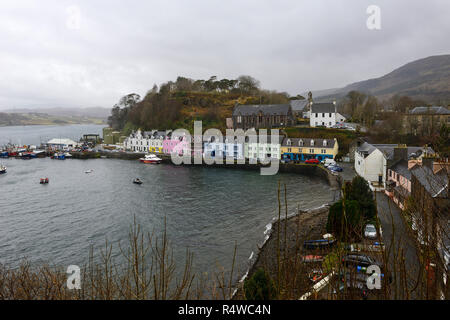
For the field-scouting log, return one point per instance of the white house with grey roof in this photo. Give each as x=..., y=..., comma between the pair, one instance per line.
x=325, y=114
x=373, y=160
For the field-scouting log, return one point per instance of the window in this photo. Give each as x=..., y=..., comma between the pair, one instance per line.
x=323, y=115
x=323, y=151
x=239, y=119
x=311, y=150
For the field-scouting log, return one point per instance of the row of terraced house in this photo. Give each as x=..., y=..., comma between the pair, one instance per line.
x=256, y=147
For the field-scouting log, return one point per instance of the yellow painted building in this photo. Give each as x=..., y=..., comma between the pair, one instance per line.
x=301, y=149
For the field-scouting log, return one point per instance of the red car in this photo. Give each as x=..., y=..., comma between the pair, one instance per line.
x=312, y=161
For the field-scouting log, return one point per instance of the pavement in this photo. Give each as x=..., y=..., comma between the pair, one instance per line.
x=395, y=237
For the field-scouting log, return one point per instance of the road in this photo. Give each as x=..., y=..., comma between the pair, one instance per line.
x=395, y=237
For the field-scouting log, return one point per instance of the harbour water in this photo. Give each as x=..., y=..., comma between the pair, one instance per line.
x=207, y=210
x=35, y=135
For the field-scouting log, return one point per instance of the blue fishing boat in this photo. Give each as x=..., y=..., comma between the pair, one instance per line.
x=59, y=156
x=4, y=154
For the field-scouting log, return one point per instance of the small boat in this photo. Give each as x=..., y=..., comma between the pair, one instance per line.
x=58, y=156
x=44, y=181
x=2, y=169
x=67, y=155
x=150, y=158
x=312, y=258
x=137, y=181
x=319, y=244
x=89, y=171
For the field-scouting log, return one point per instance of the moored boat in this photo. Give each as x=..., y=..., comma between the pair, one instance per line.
x=150, y=158
x=2, y=169
x=137, y=181
x=58, y=156
x=44, y=181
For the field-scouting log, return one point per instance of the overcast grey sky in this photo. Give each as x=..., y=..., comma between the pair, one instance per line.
x=49, y=58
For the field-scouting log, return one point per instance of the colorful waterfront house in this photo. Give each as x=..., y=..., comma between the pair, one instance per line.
x=156, y=141
x=260, y=147
x=172, y=144
x=225, y=148
x=301, y=149
x=137, y=141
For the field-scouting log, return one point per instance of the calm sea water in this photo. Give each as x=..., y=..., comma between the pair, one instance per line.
x=207, y=210
x=35, y=135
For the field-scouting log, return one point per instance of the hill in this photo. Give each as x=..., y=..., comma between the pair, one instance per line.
x=426, y=79
x=37, y=118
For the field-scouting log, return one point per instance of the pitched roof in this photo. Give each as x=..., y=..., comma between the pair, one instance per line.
x=388, y=150
x=401, y=168
x=299, y=105
x=432, y=110
x=326, y=107
x=295, y=142
x=267, y=109
x=436, y=184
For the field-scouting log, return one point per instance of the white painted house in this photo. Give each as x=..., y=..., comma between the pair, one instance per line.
x=373, y=160
x=325, y=114
x=222, y=149
x=145, y=141
x=263, y=149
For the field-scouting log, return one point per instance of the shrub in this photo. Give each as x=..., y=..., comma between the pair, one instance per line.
x=259, y=287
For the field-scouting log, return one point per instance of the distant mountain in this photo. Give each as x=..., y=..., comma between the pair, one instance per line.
x=92, y=112
x=427, y=79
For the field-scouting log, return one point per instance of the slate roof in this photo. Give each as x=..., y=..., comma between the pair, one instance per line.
x=326, y=107
x=299, y=105
x=388, y=149
x=269, y=139
x=435, y=184
x=401, y=168
x=267, y=109
x=432, y=110
x=307, y=142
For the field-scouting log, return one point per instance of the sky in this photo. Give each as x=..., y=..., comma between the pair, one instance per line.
x=57, y=53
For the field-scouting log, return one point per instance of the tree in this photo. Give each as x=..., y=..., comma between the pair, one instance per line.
x=248, y=84
x=259, y=287
x=359, y=191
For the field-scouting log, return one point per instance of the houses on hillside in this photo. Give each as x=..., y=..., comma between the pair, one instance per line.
x=424, y=120
x=372, y=161
x=262, y=116
x=301, y=149
x=325, y=114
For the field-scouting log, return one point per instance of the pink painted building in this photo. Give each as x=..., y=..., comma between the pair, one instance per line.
x=398, y=184
x=177, y=144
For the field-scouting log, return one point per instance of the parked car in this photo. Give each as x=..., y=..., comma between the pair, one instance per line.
x=327, y=162
x=335, y=168
x=312, y=161
x=370, y=232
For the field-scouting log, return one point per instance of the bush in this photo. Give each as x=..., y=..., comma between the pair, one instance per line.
x=344, y=226
x=259, y=287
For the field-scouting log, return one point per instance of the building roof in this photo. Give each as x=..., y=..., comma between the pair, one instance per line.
x=299, y=105
x=401, y=168
x=61, y=141
x=268, y=139
x=267, y=109
x=436, y=184
x=295, y=142
x=430, y=110
x=388, y=150
x=325, y=107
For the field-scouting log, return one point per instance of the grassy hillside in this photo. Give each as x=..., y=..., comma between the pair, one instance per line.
x=426, y=79
x=23, y=119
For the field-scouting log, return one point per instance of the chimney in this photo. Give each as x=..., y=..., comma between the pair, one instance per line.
x=400, y=153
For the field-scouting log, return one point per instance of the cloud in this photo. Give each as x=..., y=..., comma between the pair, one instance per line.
x=51, y=56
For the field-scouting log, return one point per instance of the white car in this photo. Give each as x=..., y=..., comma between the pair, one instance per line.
x=370, y=231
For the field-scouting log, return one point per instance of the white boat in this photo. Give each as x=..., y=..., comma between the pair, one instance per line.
x=89, y=171
x=67, y=155
x=2, y=169
x=150, y=158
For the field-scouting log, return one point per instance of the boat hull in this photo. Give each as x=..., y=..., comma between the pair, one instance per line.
x=150, y=161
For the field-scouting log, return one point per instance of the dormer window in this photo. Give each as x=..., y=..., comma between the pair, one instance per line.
x=324, y=143
x=312, y=142
x=288, y=142
x=300, y=143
